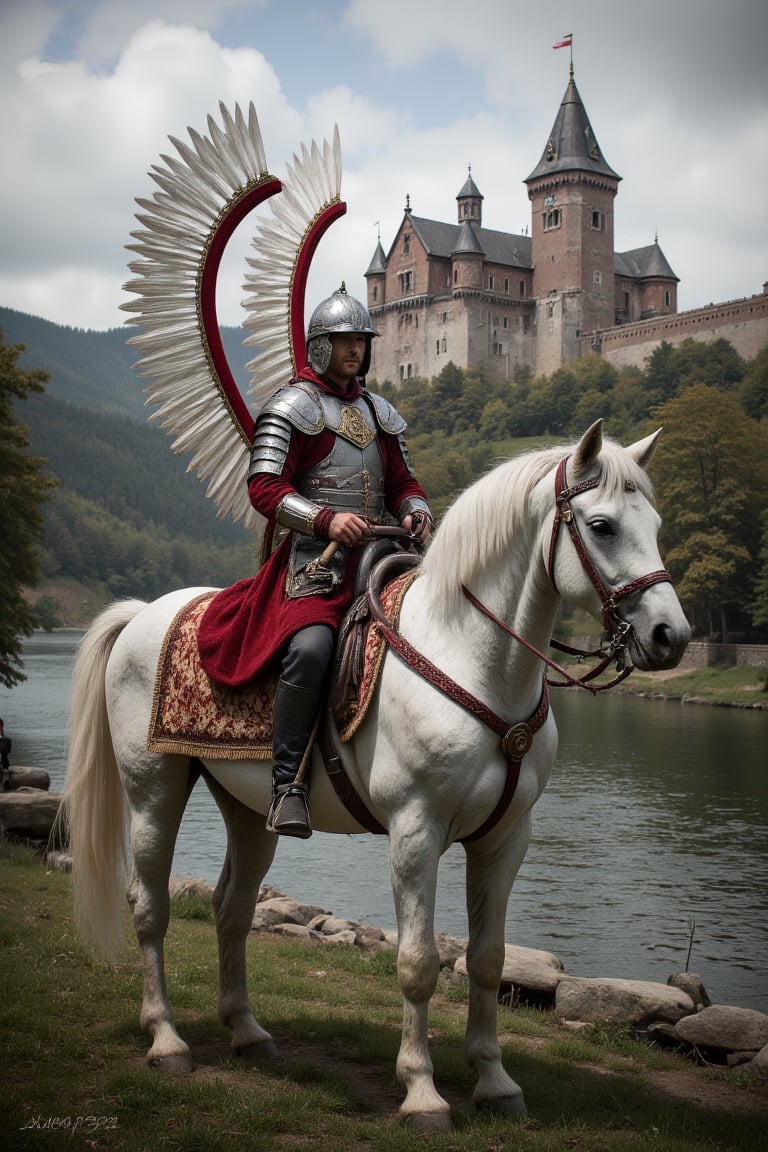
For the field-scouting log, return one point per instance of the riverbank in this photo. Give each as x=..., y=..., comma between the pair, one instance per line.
x=75, y=1056
x=721, y=685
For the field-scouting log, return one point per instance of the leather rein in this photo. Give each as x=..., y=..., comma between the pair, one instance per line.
x=517, y=738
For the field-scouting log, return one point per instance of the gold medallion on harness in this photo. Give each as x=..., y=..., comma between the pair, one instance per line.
x=354, y=428
x=517, y=740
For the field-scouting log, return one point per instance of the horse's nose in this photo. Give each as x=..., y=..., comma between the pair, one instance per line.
x=670, y=643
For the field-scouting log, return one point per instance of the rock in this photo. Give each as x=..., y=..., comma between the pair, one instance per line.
x=26, y=778
x=29, y=812
x=726, y=1029
x=347, y=937
x=328, y=924
x=760, y=1062
x=693, y=985
x=449, y=949
x=625, y=1001
x=283, y=910
x=527, y=968
x=189, y=886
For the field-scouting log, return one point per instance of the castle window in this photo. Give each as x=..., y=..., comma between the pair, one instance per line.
x=551, y=219
x=375, y=292
x=598, y=221
x=455, y=275
x=437, y=347
x=445, y=317
x=406, y=283
x=522, y=289
x=597, y=277
x=407, y=243
x=445, y=344
x=491, y=282
x=667, y=298
x=506, y=284
x=406, y=371
x=505, y=322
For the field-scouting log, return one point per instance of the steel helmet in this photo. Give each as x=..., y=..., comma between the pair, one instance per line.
x=339, y=313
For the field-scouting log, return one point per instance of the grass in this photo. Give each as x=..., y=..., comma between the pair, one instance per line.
x=727, y=684
x=75, y=1076
x=739, y=686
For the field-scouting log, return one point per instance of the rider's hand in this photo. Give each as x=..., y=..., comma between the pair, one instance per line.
x=419, y=525
x=347, y=528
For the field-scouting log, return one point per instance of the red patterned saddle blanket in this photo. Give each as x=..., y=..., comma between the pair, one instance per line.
x=193, y=716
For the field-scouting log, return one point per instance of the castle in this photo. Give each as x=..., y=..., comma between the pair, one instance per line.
x=478, y=297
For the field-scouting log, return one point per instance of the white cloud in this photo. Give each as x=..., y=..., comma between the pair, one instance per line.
x=678, y=99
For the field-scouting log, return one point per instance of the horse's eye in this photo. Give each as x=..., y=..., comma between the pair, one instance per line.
x=600, y=527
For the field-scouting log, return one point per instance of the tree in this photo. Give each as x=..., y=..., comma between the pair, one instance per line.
x=23, y=488
x=711, y=473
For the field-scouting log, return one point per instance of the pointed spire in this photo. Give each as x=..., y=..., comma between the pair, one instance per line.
x=572, y=145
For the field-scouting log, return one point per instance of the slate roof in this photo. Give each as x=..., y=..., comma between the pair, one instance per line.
x=572, y=145
x=441, y=239
x=641, y=263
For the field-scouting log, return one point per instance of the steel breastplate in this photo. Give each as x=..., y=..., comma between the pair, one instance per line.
x=351, y=477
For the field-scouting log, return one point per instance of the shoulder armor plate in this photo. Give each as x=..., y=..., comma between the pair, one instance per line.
x=298, y=404
x=387, y=417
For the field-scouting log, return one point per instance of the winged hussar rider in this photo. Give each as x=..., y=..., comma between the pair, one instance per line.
x=328, y=460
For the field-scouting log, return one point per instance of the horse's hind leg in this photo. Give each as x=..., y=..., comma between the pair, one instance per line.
x=250, y=850
x=491, y=871
x=157, y=798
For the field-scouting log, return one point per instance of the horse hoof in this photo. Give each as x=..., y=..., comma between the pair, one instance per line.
x=511, y=1106
x=178, y=1064
x=259, y=1050
x=428, y=1122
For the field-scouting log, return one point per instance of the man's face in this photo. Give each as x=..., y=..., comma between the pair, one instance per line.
x=347, y=354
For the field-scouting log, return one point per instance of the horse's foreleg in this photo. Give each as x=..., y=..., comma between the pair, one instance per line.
x=250, y=851
x=490, y=875
x=156, y=811
x=415, y=855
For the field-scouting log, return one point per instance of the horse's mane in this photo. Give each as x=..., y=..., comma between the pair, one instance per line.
x=491, y=519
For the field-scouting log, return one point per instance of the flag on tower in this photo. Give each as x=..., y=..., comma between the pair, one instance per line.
x=565, y=42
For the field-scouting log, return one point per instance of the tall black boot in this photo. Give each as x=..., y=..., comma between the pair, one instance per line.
x=294, y=713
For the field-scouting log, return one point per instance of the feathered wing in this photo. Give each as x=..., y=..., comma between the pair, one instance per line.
x=283, y=250
x=203, y=194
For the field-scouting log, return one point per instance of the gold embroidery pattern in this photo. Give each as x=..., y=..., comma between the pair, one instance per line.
x=354, y=428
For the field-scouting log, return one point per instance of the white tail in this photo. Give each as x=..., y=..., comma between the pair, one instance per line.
x=93, y=811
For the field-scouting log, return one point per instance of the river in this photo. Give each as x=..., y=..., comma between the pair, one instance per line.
x=656, y=816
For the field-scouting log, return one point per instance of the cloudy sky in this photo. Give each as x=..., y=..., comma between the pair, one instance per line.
x=677, y=92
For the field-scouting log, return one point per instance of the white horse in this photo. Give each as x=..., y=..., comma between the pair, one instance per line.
x=428, y=770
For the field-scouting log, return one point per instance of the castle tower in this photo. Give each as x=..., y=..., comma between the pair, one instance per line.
x=470, y=201
x=571, y=190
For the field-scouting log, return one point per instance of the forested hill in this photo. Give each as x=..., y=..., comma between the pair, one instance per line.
x=127, y=517
x=95, y=370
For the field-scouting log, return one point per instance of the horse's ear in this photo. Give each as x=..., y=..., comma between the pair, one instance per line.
x=642, y=450
x=588, y=448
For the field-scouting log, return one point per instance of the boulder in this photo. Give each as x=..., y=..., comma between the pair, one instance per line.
x=283, y=910
x=634, y=1002
x=528, y=968
x=726, y=1029
x=29, y=812
x=691, y=983
x=759, y=1063
x=26, y=778
x=189, y=886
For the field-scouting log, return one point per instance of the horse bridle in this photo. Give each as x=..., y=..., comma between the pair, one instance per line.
x=618, y=630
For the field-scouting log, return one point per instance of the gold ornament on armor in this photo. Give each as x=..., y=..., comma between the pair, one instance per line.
x=354, y=428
